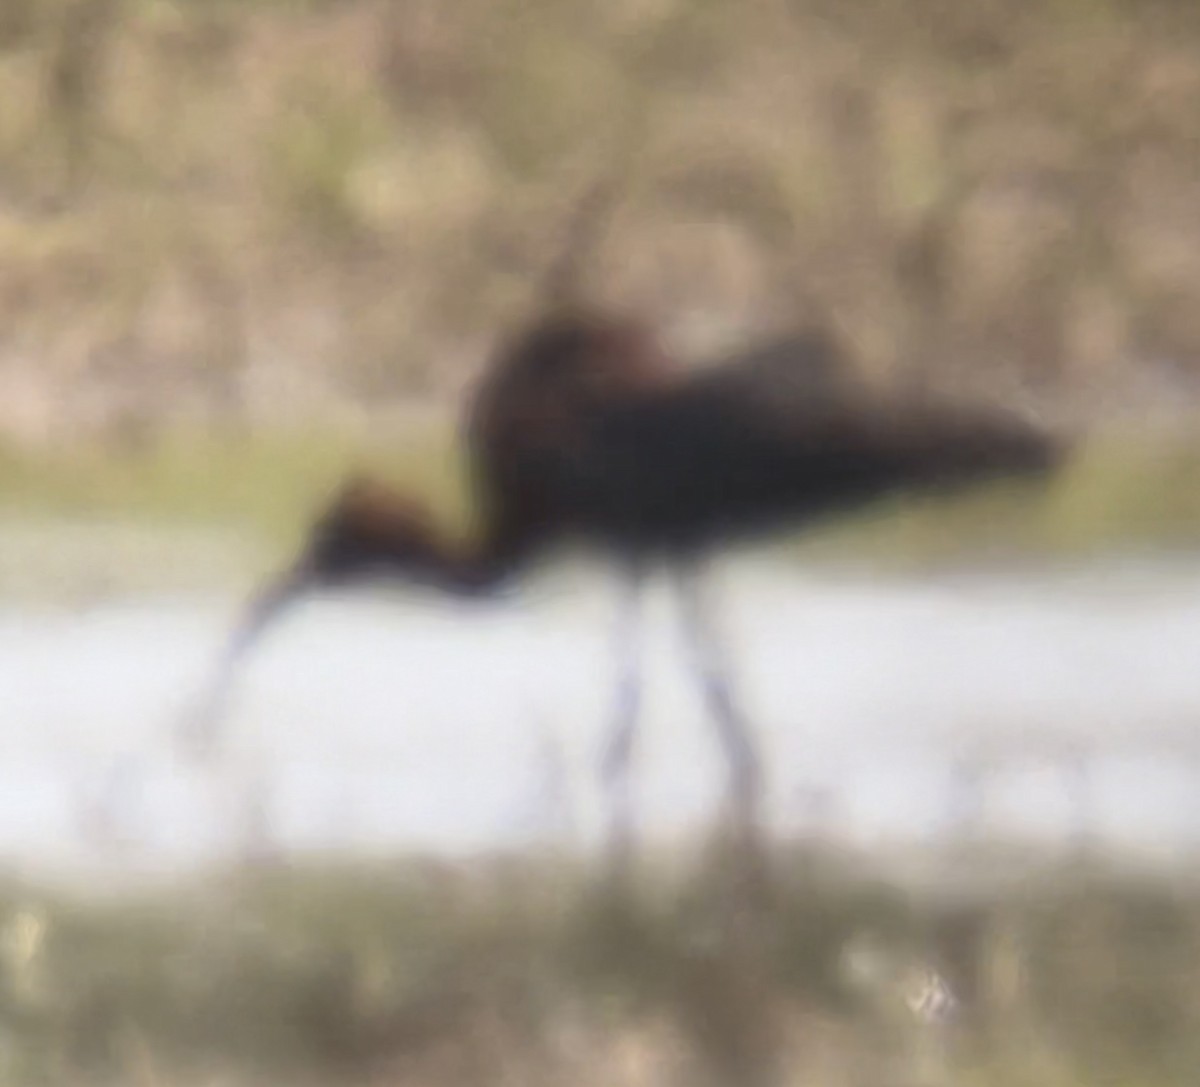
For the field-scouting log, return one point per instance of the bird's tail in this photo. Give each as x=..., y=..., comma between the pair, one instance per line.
x=962, y=447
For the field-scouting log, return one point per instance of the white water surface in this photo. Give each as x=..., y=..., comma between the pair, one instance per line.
x=398, y=721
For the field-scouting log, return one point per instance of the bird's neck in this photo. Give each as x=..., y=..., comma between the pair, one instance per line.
x=465, y=564
x=468, y=565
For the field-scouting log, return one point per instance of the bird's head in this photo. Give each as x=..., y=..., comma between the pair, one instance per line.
x=366, y=530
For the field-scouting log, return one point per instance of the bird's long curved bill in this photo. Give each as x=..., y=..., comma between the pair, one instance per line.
x=201, y=724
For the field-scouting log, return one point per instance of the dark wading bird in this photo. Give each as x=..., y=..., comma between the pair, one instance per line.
x=583, y=430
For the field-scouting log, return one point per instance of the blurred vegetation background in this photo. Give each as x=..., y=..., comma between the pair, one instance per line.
x=261, y=213
x=247, y=244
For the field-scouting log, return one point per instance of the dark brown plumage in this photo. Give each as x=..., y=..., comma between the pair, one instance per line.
x=585, y=430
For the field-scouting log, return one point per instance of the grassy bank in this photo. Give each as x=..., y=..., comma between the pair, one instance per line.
x=1123, y=492
x=528, y=971
x=263, y=484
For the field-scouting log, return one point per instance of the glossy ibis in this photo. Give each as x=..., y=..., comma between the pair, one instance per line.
x=584, y=430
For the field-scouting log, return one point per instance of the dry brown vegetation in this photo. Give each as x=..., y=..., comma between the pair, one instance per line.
x=277, y=209
x=525, y=971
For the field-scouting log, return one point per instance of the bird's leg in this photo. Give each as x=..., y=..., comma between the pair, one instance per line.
x=733, y=730
x=618, y=745
x=742, y=851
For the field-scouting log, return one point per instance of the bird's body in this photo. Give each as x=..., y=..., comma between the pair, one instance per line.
x=584, y=430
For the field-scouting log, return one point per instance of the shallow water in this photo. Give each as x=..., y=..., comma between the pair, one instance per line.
x=397, y=720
